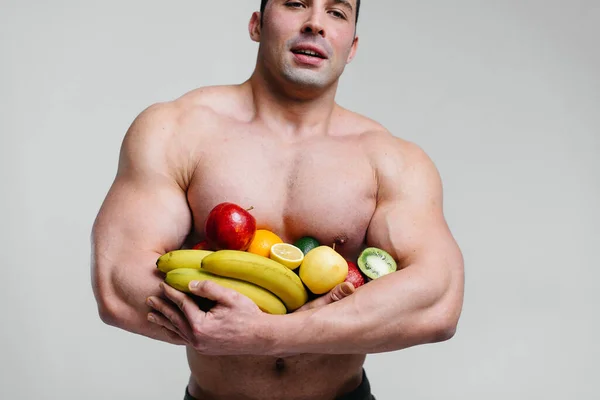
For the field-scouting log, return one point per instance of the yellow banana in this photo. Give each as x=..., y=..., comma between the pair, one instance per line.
x=183, y=258
x=260, y=270
x=180, y=279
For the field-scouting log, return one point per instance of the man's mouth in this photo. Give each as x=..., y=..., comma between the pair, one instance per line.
x=309, y=50
x=308, y=53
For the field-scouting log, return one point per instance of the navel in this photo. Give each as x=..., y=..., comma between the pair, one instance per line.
x=279, y=365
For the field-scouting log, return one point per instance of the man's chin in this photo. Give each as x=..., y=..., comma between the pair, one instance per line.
x=307, y=79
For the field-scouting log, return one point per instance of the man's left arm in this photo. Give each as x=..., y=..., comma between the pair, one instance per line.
x=419, y=303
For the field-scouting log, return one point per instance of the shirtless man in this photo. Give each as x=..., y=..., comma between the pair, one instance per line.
x=279, y=143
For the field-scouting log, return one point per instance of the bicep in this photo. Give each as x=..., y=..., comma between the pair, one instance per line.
x=409, y=222
x=145, y=214
x=138, y=221
x=142, y=213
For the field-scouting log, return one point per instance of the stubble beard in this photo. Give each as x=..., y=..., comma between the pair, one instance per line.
x=305, y=77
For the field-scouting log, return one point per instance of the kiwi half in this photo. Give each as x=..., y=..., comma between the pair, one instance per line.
x=375, y=263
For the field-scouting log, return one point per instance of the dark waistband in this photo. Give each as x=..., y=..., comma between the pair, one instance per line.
x=362, y=392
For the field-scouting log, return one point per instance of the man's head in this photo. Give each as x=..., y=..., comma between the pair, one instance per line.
x=305, y=43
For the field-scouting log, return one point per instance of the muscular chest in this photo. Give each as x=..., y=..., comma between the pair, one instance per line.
x=325, y=189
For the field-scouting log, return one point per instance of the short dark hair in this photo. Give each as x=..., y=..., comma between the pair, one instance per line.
x=263, y=4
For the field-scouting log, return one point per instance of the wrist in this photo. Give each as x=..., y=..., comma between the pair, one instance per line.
x=278, y=335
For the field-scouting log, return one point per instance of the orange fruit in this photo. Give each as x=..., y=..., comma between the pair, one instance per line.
x=262, y=242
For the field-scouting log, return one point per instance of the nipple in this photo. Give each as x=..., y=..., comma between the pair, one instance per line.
x=340, y=240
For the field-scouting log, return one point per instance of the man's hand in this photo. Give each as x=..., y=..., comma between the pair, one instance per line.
x=231, y=327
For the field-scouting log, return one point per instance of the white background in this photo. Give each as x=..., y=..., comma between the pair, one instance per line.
x=503, y=95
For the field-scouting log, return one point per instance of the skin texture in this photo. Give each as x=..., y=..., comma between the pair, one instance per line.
x=280, y=144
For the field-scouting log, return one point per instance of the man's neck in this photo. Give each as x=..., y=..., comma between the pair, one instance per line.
x=291, y=113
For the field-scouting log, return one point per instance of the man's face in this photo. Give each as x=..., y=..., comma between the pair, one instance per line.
x=308, y=42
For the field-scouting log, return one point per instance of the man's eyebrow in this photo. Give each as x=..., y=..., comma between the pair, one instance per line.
x=345, y=3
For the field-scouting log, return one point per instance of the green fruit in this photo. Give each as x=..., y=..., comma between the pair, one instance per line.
x=306, y=244
x=375, y=263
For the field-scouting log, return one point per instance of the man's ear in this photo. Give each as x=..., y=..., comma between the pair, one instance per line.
x=352, y=50
x=254, y=26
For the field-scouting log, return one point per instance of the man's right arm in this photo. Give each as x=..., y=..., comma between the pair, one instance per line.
x=144, y=215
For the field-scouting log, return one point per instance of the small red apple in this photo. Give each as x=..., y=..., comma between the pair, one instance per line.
x=229, y=227
x=354, y=275
x=203, y=245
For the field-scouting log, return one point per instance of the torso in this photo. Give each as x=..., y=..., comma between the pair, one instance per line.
x=324, y=186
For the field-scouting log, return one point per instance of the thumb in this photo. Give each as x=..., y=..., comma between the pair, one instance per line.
x=342, y=290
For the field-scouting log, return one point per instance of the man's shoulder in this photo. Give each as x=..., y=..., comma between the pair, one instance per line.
x=217, y=101
x=165, y=118
x=375, y=135
x=161, y=134
x=390, y=152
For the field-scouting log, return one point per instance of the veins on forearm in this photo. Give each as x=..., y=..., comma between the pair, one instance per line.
x=391, y=321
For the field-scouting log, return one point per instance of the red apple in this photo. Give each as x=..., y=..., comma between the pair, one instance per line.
x=354, y=275
x=229, y=227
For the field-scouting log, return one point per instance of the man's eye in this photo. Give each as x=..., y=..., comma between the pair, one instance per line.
x=294, y=4
x=337, y=14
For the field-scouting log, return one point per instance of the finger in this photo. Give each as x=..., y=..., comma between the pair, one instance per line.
x=340, y=291
x=213, y=291
x=159, y=319
x=171, y=313
x=173, y=334
x=173, y=337
x=187, y=306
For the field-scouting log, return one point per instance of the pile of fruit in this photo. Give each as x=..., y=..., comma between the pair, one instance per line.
x=279, y=277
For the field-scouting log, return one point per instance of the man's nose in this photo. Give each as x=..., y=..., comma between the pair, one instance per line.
x=314, y=24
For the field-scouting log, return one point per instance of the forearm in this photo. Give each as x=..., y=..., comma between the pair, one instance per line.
x=407, y=308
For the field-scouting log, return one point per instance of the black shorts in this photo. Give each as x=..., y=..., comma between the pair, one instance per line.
x=362, y=392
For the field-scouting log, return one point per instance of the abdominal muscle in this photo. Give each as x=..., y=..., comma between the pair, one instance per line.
x=306, y=377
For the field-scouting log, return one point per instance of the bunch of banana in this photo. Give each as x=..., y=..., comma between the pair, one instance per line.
x=180, y=279
x=273, y=287
x=261, y=271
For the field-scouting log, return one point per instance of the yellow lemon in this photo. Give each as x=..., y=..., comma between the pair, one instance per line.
x=322, y=269
x=287, y=254
x=262, y=242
